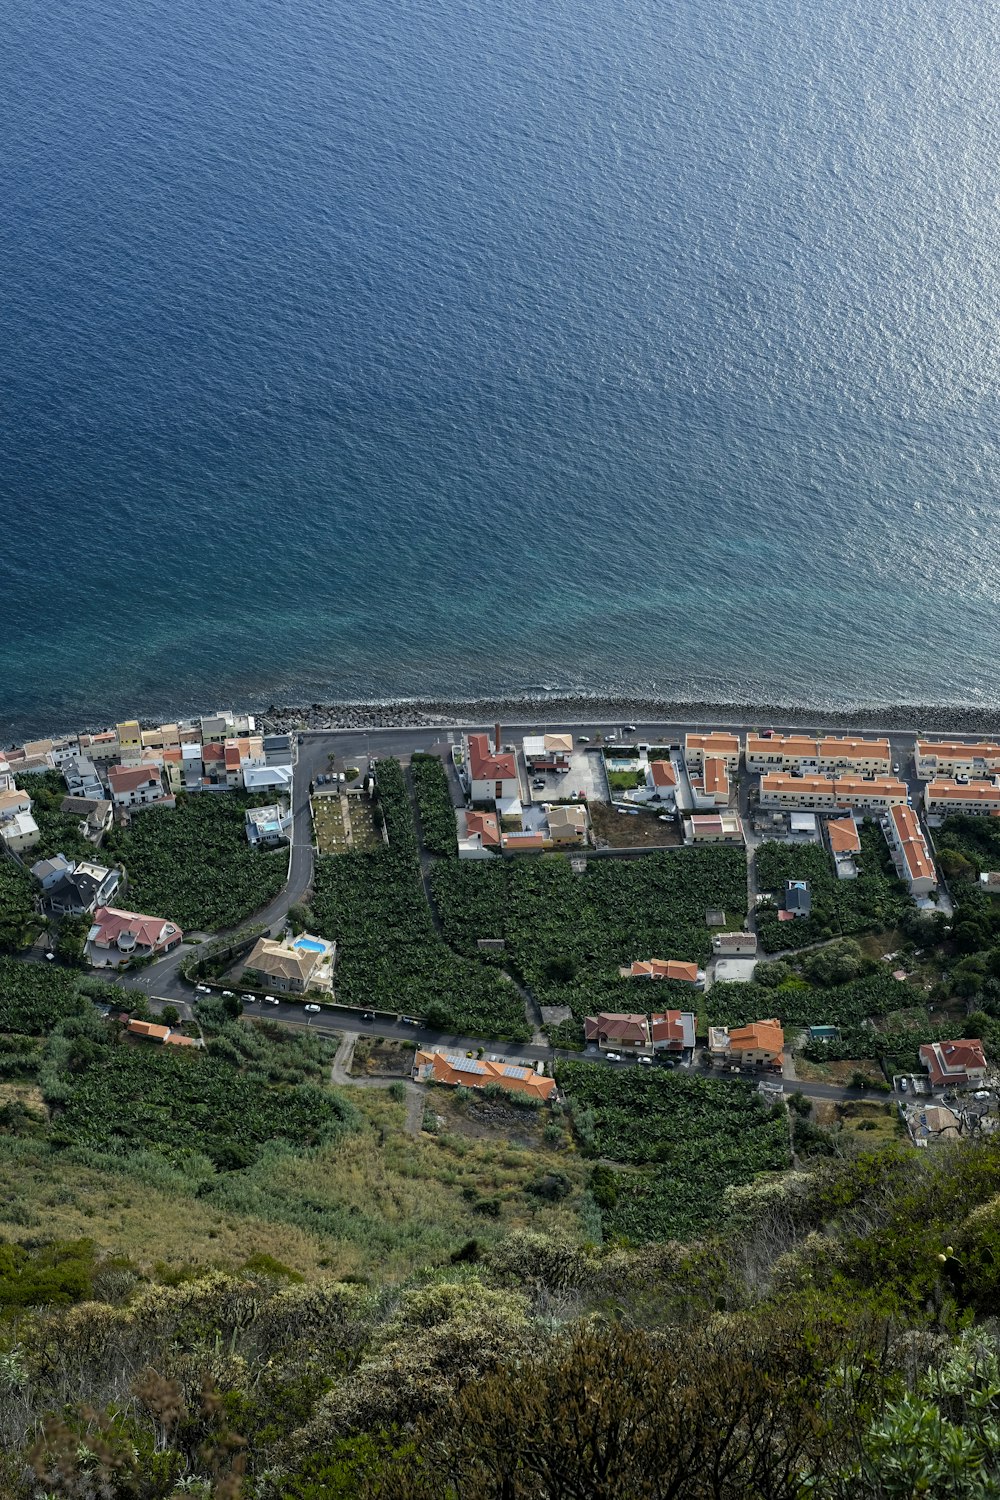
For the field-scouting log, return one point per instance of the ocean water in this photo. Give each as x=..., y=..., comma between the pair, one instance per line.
x=367, y=348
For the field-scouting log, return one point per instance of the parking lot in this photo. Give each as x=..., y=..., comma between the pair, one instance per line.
x=585, y=777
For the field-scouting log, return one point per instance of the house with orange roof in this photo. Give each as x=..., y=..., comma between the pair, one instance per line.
x=760, y=1044
x=710, y=788
x=950, y=758
x=843, y=837
x=673, y=1030
x=719, y=743
x=780, y=752
x=871, y=793
x=149, y=1029
x=954, y=1064
x=661, y=781
x=974, y=798
x=664, y=968
x=910, y=851
x=492, y=772
x=446, y=1065
x=478, y=834
x=858, y=756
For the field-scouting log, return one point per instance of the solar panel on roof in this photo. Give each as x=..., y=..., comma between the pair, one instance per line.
x=463, y=1064
x=513, y=1072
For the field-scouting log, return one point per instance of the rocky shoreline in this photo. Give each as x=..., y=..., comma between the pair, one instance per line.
x=431, y=713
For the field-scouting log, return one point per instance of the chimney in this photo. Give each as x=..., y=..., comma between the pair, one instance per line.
x=496, y=743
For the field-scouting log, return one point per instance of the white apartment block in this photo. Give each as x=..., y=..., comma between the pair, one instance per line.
x=717, y=745
x=936, y=759
x=787, y=752
x=874, y=794
x=975, y=798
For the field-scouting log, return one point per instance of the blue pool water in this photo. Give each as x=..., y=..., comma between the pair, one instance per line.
x=354, y=349
x=309, y=946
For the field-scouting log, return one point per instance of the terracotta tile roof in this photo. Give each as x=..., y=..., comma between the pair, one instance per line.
x=175, y=1039
x=148, y=1028
x=485, y=765
x=780, y=781
x=717, y=742
x=669, y=1026
x=852, y=787
x=764, y=1036
x=851, y=749
x=486, y=825
x=912, y=844
x=843, y=835
x=110, y=924
x=942, y=789
x=794, y=746
x=955, y=750
x=456, y=1069
x=716, y=776
x=664, y=773
x=130, y=778
x=664, y=968
x=211, y=753
x=948, y=1060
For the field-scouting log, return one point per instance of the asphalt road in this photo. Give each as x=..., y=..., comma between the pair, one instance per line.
x=317, y=752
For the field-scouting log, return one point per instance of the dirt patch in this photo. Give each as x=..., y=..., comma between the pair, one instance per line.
x=639, y=830
x=838, y=1072
x=482, y=1118
x=27, y=1095
x=381, y=1057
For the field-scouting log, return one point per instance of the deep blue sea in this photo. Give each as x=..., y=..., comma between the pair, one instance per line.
x=365, y=348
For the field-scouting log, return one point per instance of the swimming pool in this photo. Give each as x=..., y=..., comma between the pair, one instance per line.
x=310, y=945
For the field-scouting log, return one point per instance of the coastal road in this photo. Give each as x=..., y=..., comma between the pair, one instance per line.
x=340, y=1020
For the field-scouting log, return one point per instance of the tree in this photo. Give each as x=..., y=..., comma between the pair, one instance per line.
x=301, y=917
x=170, y=1015
x=233, y=1006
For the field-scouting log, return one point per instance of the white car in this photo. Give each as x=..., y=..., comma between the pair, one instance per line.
x=247, y=999
x=613, y=1056
x=982, y=1094
x=227, y=994
x=203, y=989
x=646, y=1061
x=583, y=739
x=272, y=1000
x=315, y=1008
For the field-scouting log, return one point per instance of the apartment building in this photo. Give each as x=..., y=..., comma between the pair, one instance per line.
x=875, y=793
x=492, y=772
x=714, y=828
x=910, y=851
x=828, y=756
x=718, y=744
x=975, y=798
x=946, y=758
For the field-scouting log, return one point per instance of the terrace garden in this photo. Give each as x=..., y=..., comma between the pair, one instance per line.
x=682, y=1141
x=193, y=865
x=437, y=813
x=390, y=955
x=566, y=934
x=877, y=899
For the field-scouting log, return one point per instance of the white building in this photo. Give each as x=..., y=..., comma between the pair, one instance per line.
x=268, y=779
x=136, y=786
x=974, y=798
x=713, y=828
x=946, y=758
x=492, y=772
x=268, y=825
x=909, y=851
x=20, y=832
x=719, y=744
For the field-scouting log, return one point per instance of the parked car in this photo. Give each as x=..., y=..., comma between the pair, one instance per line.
x=583, y=739
x=628, y=729
x=227, y=994
x=982, y=1094
x=203, y=989
x=895, y=768
x=646, y=1061
x=301, y=739
x=314, y=1008
x=613, y=1056
x=902, y=1085
x=248, y=999
x=272, y=1000
x=538, y=783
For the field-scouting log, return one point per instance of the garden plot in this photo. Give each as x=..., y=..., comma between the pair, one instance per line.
x=343, y=822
